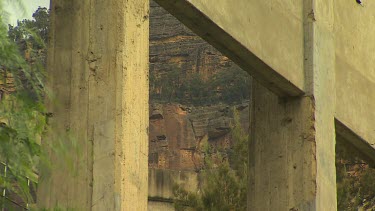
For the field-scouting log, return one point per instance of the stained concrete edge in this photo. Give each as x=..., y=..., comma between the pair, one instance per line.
x=350, y=137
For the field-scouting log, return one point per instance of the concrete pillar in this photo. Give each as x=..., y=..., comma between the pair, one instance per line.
x=98, y=76
x=292, y=148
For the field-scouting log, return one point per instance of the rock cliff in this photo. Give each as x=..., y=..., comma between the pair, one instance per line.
x=185, y=69
x=176, y=131
x=182, y=69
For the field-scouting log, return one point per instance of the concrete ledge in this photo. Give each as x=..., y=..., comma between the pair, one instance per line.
x=348, y=136
x=202, y=25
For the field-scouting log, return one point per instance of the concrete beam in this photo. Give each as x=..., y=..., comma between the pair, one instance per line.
x=355, y=86
x=269, y=47
x=98, y=73
x=348, y=137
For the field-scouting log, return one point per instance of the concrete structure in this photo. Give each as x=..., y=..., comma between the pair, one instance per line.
x=98, y=54
x=160, y=187
x=312, y=59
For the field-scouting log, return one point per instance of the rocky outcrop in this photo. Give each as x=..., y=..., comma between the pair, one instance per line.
x=156, y=111
x=176, y=131
x=7, y=84
x=175, y=136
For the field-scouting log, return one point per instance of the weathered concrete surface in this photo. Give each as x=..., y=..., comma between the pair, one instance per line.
x=300, y=173
x=160, y=206
x=294, y=49
x=355, y=86
x=270, y=47
x=160, y=185
x=98, y=56
x=320, y=85
x=282, y=153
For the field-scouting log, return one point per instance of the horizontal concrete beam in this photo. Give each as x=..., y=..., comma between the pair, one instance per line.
x=355, y=75
x=225, y=42
x=347, y=136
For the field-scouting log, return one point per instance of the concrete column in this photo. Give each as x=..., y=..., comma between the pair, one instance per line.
x=292, y=148
x=98, y=77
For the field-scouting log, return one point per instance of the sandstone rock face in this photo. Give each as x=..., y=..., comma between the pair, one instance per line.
x=175, y=130
x=175, y=136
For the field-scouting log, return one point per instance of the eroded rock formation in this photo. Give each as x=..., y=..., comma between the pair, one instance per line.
x=176, y=131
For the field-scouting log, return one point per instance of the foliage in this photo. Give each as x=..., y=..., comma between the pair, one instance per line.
x=31, y=32
x=226, y=86
x=225, y=182
x=22, y=114
x=355, y=180
x=234, y=84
